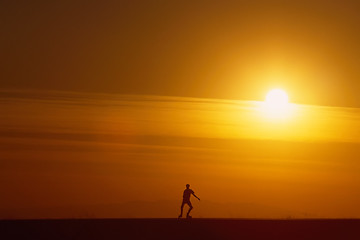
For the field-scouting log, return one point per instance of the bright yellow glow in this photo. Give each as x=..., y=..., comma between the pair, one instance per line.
x=277, y=98
x=277, y=104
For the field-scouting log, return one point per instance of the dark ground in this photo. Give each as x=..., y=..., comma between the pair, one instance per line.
x=179, y=229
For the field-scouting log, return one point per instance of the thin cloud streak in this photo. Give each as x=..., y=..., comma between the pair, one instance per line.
x=85, y=116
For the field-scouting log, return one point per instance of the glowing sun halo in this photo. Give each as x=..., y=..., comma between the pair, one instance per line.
x=277, y=104
x=277, y=98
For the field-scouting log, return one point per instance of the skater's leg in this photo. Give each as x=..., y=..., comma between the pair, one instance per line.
x=182, y=208
x=191, y=207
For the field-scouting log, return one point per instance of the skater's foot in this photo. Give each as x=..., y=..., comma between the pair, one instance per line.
x=179, y=216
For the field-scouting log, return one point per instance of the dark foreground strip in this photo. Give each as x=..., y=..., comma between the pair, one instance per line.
x=168, y=229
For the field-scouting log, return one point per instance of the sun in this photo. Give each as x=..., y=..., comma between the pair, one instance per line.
x=276, y=104
x=277, y=98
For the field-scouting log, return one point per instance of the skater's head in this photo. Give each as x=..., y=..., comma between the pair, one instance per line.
x=187, y=186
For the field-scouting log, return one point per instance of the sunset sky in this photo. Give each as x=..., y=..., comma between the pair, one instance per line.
x=111, y=102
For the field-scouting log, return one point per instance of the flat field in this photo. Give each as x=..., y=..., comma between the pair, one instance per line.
x=168, y=229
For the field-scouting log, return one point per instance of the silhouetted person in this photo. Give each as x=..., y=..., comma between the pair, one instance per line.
x=186, y=200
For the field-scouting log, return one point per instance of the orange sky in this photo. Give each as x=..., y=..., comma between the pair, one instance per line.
x=211, y=49
x=61, y=149
x=106, y=102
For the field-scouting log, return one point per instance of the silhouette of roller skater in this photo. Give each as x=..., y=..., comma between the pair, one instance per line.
x=186, y=200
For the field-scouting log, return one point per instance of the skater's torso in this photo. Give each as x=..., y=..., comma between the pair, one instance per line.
x=187, y=194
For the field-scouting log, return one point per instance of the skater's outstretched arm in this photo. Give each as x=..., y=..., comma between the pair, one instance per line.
x=196, y=196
